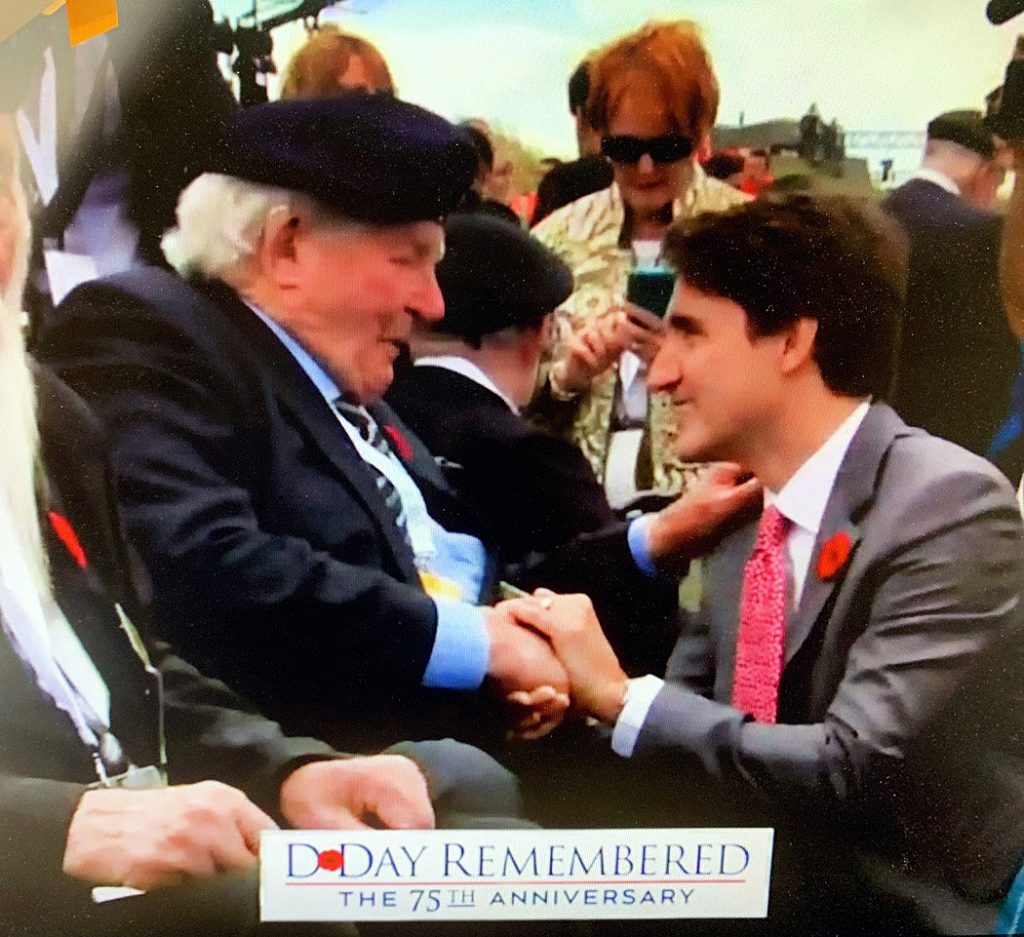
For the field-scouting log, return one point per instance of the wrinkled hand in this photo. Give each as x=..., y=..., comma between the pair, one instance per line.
x=597, y=345
x=527, y=674
x=151, y=838
x=714, y=507
x=597, y=683
x=358, y=793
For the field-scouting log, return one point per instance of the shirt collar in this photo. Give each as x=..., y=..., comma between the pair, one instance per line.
x=310, y=366
x=935, y=177
x=803, y=498
x=467, y=369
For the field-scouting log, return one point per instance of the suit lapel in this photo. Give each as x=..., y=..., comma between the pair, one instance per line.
x=849, y=501
x=89, y=609
x=297, y=394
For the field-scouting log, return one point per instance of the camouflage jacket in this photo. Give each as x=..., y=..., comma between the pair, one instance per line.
x=586, y=234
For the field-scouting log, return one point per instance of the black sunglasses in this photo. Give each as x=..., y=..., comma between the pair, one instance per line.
x=668, y=148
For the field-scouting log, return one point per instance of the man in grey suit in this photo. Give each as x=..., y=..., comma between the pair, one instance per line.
x=853, y=675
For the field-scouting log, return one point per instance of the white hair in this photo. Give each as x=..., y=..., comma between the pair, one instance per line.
x=221, y=221
x=19, y=436
x=19, y=443
x=12, y=292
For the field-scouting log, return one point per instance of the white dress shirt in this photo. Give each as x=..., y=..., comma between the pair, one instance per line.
x=467, y=369
x=802, y=502
x=936, y=178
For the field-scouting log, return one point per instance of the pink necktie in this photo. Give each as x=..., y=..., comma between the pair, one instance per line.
x=761, y=638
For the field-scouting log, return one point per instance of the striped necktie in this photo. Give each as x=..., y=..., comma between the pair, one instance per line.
x=370, y=430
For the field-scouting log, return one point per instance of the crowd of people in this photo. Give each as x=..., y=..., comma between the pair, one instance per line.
x=413, y=490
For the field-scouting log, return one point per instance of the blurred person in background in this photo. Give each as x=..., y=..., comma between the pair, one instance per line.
x=133, y=114
x=958, y=356
x=331, y=61
x=653, y=99
x=476, y=199
x=566, y=182
x=475, y=370
x=726, y=165
x=757, y=172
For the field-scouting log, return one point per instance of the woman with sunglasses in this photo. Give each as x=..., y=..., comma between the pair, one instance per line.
x=653, y=98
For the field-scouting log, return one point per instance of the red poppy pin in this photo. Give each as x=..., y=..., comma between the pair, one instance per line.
x=402, y=445
x=63, y=529
x=834, y=554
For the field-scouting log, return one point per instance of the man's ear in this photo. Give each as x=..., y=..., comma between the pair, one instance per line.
x=278, y=252
x=798, y=344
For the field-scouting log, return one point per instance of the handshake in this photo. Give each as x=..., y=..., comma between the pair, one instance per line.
x=549, y=652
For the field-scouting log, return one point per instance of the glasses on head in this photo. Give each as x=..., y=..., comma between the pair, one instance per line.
x=668, y=148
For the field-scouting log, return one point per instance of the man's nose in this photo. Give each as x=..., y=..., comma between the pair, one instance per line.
x=663, y=373
x=429, y=305
x=645, y=164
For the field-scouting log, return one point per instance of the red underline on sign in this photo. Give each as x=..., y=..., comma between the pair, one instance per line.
x=462, y=884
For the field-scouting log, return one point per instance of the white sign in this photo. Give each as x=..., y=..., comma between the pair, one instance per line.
x=514, y=874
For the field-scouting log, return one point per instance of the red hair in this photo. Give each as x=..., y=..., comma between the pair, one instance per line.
x=668, y=60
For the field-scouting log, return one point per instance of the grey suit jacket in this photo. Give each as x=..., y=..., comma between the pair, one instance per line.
x=900, y=716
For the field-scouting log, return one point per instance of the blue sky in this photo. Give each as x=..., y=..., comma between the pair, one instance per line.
x=875, y=64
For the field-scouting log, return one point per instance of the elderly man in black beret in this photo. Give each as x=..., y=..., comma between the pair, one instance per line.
x=305, y=547
x=121, y=767
x=474, y=371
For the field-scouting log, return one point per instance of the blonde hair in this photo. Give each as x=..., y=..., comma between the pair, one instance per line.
x=316, y=69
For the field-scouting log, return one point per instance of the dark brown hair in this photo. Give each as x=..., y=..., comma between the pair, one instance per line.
x=837, y=260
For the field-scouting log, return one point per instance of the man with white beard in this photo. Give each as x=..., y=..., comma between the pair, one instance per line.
x=108, y=744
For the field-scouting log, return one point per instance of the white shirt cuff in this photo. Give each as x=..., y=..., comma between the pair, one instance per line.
x=640, y=693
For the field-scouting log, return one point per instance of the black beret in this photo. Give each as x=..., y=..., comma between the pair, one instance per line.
x=495, y=275
x=370, y=157
x=965, y=127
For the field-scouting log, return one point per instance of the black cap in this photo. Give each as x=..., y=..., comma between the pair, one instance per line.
x=965, y=127
x=370, y=157
x=495, y=275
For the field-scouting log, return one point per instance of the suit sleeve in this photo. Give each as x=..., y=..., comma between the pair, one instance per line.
x=182, y=426
x=947, y=596
x=538, y=488
x=637, y=611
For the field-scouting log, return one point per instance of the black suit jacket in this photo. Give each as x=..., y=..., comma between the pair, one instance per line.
x=44, y=767
x=275, y=563
x=536, y=490
x=958, y=357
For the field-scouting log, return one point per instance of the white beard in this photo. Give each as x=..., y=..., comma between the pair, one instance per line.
x=19, y=443
x=12, y=292
x=19, y=436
